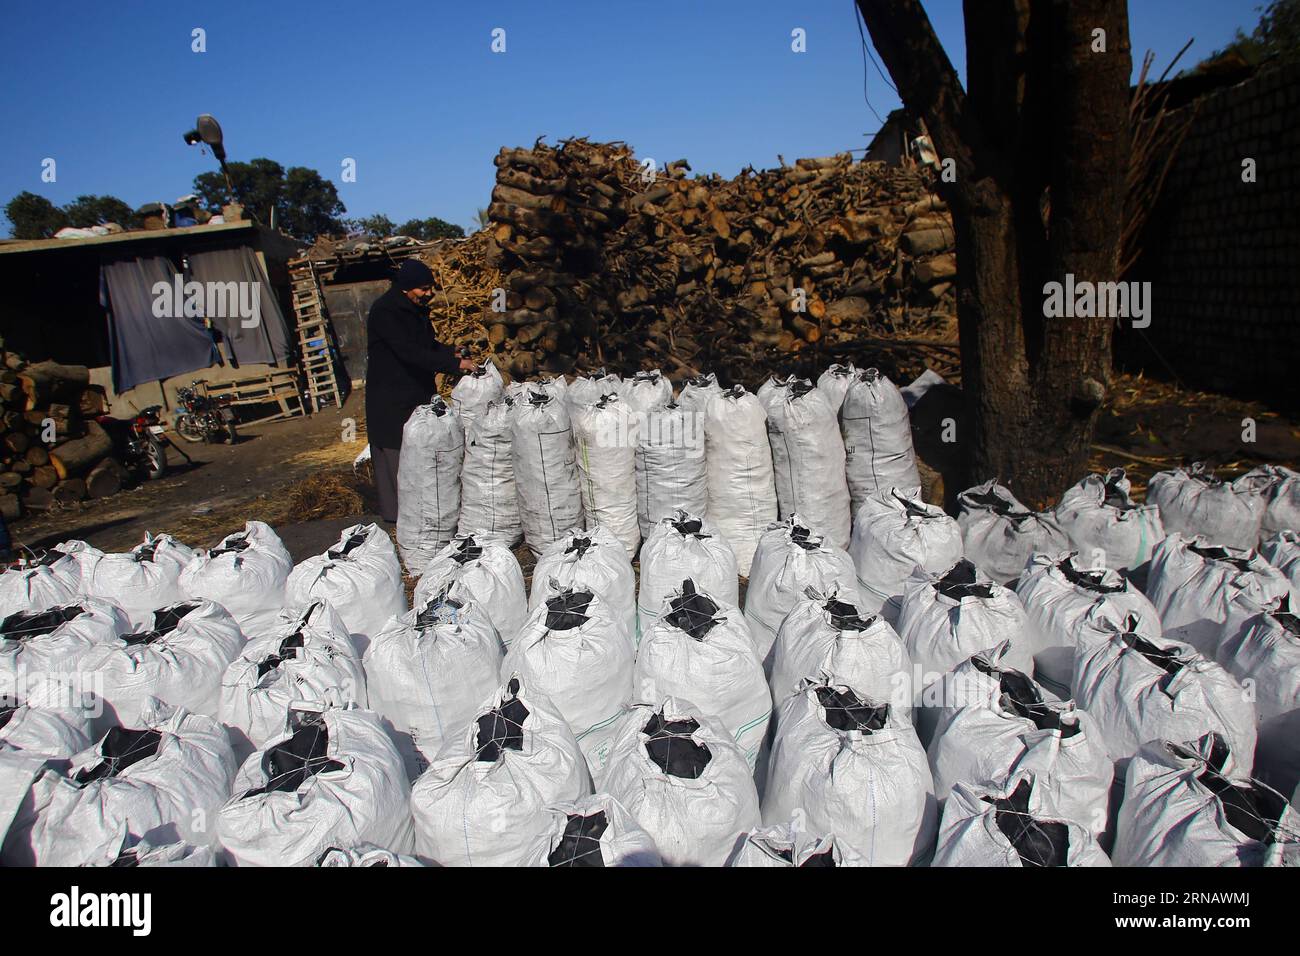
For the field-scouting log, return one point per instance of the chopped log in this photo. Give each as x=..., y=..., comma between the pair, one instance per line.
x=21, y=467
x=17, y=442
x=13, y=394
x=10, y=480
x=10, y=507
x=93, y=402
x=69, y=491
x=44, y=476
x=46, y=381
x=105, y=479
x=36, y=499
x=75, y=457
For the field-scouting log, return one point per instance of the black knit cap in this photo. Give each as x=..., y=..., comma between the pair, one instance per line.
x=413, y=274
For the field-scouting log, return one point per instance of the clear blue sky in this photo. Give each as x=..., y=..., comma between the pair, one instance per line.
x=413, y=92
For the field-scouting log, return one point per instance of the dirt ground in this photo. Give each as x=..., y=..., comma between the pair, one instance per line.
x=226, y=485
x=297, y=476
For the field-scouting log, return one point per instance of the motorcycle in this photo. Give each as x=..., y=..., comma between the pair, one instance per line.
x=202, y=418
x=139, y=442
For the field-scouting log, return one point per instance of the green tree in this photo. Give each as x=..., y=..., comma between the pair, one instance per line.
x=377, y=226
x=426, y=230
x=305, y=205
x=86, y=211
x=33, y=217
x=1276, y=36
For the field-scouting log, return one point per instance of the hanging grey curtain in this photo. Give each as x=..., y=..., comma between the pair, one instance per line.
x=268, y=341
x=144, y=347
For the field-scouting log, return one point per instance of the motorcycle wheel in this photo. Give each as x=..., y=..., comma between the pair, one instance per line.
x=155, y=459
x=189, y=429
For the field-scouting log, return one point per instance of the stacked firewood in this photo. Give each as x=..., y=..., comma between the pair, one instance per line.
x=607, y=260
x=52, y=450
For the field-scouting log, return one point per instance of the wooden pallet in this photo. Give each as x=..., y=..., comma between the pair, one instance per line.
x=279, y=388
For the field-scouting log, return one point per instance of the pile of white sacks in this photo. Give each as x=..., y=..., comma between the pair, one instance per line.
x=1106, y=682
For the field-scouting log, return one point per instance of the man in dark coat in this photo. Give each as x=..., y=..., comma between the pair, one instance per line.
x=404, y=357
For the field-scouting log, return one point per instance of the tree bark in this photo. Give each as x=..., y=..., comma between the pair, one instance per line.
x=1045, y=124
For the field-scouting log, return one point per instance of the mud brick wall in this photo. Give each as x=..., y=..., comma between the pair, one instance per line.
x=1224, y=255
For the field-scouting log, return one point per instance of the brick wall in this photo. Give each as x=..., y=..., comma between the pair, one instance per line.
x=1224, y=255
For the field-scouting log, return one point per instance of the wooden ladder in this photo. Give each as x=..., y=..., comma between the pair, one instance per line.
x=317, y=350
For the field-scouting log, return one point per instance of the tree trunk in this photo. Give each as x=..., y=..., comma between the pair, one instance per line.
x=1044, y=125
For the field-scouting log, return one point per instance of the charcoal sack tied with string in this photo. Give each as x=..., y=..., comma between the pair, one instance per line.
x=877, y=430
x=489, y=501
x=1278, y=489
x=698, y=391
x=1282, y=550
x=428, y=671
x=140, y=580
x=41, y=651
x=647, y=390
x=855, y=768
x=605, y=433
x=671, y=471
x=483, y=801
x=784, y=846
x=245, y=573
x=43, y=732
x=588, y=389
x=826, y=635
x=999, y=534
x=1266, y=651
x=362, y=855
x=1060, y=592
x=1190, y=803
x=475, y=391
x=484, y=571
x=808, y=461
x=774, y=388
x=331, y=778
x=576, y=650
x=684, y=781
x=556, y=387
x=428, y=481
x=894, y=535
x=947, y=618
x=1206, y=592
x=701, y=650
x=43, y=581
x=1192, y=501
x=179, y=658
x=593, y=560
x=742, y=489
x=993, y=720
x=791, y=557
x=1011, y=823
x=683, y=545
x=360, y=577
x=161, y=779
x=546, y=468
x=307, y=656
x=1137, y=687
x=1105, y=525
x=592, y=831
x=147, y=853
x=834, y=384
